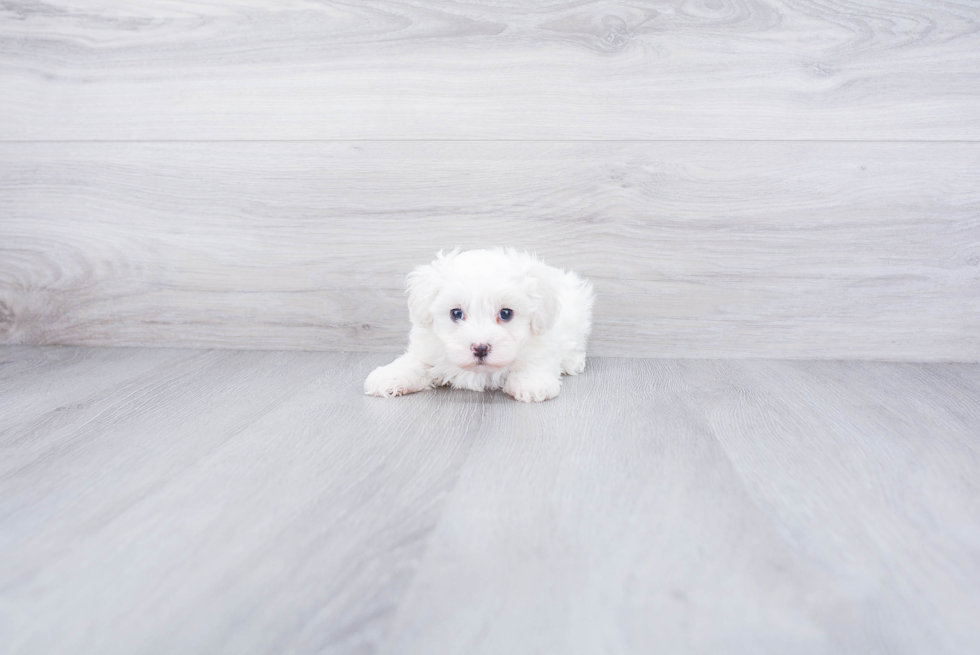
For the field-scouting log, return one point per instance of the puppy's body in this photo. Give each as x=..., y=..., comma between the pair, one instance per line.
x=491, y=319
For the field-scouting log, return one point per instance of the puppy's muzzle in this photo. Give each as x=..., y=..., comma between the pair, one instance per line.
x=480, y=350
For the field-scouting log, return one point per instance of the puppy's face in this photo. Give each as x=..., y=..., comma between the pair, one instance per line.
x=483, y=306
x=481, y=327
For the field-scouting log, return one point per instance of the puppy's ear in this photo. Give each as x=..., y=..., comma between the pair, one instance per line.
x=543, y=292
x=423, y=287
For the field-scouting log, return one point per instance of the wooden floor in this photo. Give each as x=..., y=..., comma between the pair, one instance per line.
x=182, y=501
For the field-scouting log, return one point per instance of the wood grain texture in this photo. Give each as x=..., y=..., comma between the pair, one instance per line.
x=799, y=250
x=804, y=438
x=703, y=507
x=426, y=69
x=609, y=521
x=240, y=497
x=258, y=502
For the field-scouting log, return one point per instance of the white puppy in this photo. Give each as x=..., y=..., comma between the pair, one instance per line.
x=491, y=319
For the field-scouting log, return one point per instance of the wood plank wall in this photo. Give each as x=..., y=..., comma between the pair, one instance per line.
x=740, y=178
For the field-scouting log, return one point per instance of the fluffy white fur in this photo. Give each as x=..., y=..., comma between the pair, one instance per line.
x=545, y=337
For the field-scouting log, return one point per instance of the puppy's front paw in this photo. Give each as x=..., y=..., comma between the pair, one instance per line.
x=573, y=363
x=532, y=388
x=393, y=380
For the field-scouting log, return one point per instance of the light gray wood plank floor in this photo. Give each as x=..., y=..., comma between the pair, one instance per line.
x=157, y=501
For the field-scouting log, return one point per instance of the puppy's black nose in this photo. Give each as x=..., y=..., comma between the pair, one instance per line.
x=480, y=350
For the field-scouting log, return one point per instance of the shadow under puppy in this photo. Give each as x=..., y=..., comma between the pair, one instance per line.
x=491, y=319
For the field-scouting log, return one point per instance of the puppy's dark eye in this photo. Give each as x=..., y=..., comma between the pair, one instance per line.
x=506, y=314
x=457, y=314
